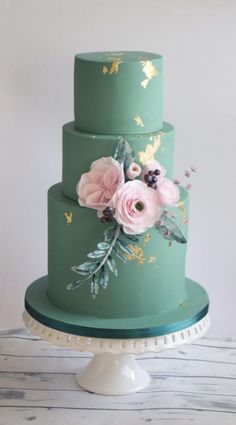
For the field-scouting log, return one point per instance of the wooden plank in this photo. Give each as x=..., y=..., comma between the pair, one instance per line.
x=57, y=382
x=138, y=401
x=40, y=416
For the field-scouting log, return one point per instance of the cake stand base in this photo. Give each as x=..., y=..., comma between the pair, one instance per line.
x=113, y=374
x=113, y=370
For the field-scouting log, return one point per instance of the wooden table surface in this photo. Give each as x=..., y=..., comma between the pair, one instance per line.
x=195, y=384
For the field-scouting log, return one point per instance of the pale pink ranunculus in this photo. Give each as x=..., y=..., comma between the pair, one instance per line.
x=96, y=188
x=168, y=193
x=136, y=207
x=133, y=171
x=153, y=165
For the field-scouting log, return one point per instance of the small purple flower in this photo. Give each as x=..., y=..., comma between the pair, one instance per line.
x=193, y=168
x=189, y=186
x=187, y=173
x=177, y=182
x=186, y=220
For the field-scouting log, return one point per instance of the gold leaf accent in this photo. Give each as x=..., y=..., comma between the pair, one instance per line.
x=149, y=153
x=150, y=71
x=104, y=69
x=151, y=259
x=115, y=67
x=182, y=209
x=69, y=217
x=139, y=121
x=147, y=238
x=138, y=254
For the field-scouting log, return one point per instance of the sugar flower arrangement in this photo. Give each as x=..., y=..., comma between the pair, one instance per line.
x=132, y=200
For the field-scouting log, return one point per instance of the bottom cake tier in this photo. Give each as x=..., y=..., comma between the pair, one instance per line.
x=39, y=306
x=152, y=282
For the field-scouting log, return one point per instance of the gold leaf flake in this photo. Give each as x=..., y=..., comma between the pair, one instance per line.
x=104, y=69
x=147, y=238
x=144, y=83
x=69, y=217
x=138, y=254
x=149, y=153
x=151, y=259
x=150, y=71
x=182, y=209
x=115, y=67
x=138, y=121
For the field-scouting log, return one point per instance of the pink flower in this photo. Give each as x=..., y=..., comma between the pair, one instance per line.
x=136, y=207
x=133, y=171
x=168, y=193
x=152, y=166
x=96, y=188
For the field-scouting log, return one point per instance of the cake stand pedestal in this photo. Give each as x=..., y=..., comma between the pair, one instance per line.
x=114, y=370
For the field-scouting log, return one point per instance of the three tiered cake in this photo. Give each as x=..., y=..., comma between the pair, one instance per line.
x=118, y=222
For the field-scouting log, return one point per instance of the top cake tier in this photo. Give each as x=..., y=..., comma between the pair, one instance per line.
x=118, y=92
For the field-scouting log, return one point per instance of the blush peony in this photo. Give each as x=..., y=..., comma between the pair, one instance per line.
x=136, y=207
x=168, y=193
x=133, y=171
x=96, y=188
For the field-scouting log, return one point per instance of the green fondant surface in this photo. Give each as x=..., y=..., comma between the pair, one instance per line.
x=42, y=309
x=81, y=149
x=153, y=283
x=118, y=92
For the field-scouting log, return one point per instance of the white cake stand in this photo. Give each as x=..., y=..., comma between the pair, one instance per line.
x=114, y=370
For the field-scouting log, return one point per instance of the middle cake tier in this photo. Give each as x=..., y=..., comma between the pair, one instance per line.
x=81, y=149
x=151, y=282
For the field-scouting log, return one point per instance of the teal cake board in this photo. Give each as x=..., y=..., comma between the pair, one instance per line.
x=39, y=306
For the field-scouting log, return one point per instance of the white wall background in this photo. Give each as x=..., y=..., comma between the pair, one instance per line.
x=38, y=41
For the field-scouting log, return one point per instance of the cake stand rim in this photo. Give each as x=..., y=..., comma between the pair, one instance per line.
x=117, y=346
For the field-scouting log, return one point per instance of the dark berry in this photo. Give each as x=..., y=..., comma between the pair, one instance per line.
x=102, y=219
x=157, y=172
x=108, y=212
x=154, y=179
x=150, y=172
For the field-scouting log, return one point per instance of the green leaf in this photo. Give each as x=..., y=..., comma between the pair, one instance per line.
x=89, y=266
x=103, y=245
x=77, y=270
x=170, y=230
x=103, y=277
x=112, y=265
x=120, y=255
x=96, y=254
x=124, y=153
x=74, y=285
x=109, y=234
x=125, y=247
x=94, y=286
x=133, y=238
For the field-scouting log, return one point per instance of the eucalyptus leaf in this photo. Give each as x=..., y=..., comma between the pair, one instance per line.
x=74, y=285
x=170, y=230
x=94, y=286
x=96, y=254
x=109, y=234
x=120, y=255
x=103, y=246
x=89, y=266
x=77, y=270
x=133, y=238
x=112, y=265
x=125, y=247
x=103, y=277
x=124, y=153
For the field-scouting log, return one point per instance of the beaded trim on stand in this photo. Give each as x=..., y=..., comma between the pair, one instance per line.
x=117, y=346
